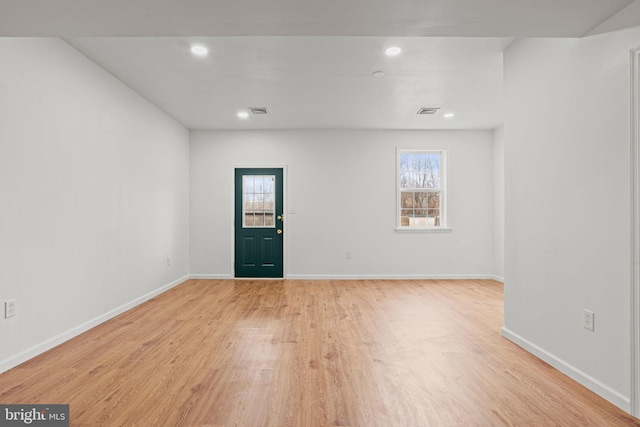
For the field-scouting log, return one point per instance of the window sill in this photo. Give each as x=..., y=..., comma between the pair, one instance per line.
x=423, y=230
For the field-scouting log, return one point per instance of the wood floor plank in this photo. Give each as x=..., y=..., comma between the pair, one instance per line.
x=308, y=353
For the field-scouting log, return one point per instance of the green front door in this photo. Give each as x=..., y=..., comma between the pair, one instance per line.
x=258, y=222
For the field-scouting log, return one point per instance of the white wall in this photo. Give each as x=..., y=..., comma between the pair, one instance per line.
x=498, y=204
x=332, y=177
x=567, y=139
x=93, y=192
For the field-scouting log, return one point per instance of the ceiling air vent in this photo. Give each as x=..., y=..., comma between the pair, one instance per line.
x=428, y=110
x=258, y=110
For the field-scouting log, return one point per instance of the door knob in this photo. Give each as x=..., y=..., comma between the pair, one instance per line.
x=279, y=231
x=280, y=217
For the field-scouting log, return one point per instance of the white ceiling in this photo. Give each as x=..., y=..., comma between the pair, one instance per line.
x=310, y=62
x=312, y=82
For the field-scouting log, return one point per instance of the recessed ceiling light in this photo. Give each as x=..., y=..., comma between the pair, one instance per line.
x=448, y=115
x=199, y=50
x=393, y=51
x=378, y=74
x=243, y=115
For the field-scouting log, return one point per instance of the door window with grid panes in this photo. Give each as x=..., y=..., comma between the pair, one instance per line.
x=258, y=209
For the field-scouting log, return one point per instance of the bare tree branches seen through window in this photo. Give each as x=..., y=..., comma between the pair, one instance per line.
x=258, y=205
x=420, y=188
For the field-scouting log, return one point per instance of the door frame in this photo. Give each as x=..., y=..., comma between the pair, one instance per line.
x=233, y=210
x=635, y=233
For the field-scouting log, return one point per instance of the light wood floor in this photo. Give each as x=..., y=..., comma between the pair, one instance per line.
x=308, y=353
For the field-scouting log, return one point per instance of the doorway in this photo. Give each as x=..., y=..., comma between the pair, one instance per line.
x=259, y=222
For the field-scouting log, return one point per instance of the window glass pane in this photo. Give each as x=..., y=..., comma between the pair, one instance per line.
x=420, y=200
x=268, y=219
x=268, y=185
x=248, y=202
x=259, y=181
x=432, y=169
x=405, y=170
x=434, y=200
x=269, y=203
x=419, y=161
x=415, y=178
x=248, y=184
x=406, y=200
x=405, y=178
x=405, y=161
x=259, y=201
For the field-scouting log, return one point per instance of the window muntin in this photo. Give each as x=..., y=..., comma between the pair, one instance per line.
x=421, y=195
x=258, y=207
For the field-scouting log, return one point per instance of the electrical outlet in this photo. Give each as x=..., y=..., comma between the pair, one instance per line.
x=9, y=308
x=348, y=254
x=589, y=318
x=168, y=261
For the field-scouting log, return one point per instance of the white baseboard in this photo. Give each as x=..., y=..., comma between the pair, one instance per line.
x=32, y=352
x=211, y=276
x=498, y=278
x=389, y=276
x=364, y=276
x=613, y=396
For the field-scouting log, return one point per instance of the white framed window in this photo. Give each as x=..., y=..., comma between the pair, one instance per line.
x=421, y=190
